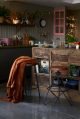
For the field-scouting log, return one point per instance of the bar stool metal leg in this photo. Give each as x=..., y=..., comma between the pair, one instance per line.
x=29, y=84
x=37, y=82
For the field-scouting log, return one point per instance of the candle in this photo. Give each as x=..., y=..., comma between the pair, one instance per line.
x=77, y=46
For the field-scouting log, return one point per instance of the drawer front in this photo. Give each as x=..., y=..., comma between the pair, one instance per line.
x=75, y=57
x=41, y=52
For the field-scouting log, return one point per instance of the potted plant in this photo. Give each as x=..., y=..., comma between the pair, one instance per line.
x=4, y=12
x=70, y=39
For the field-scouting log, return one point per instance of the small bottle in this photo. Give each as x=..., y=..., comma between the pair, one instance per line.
x=39, y=44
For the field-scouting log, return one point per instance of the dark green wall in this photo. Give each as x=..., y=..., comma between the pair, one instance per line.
x=7, y=57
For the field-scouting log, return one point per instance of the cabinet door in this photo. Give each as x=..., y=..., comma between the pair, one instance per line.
x=59, y=21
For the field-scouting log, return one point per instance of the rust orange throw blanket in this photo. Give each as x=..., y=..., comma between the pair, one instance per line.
x=15, y=82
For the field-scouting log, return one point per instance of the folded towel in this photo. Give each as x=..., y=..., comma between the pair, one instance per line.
x=15, y=84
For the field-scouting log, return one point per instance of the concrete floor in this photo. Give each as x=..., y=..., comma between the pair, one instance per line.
x=30, y=108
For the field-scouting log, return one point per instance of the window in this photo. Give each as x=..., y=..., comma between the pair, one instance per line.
x=59, y=21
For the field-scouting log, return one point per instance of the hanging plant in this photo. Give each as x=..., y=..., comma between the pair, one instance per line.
x=4, y=12
x=30, y=17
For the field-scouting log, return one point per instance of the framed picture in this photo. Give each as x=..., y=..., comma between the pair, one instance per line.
x=43, y=66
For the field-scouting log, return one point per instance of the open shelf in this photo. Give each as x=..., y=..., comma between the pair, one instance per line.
x=11, y=24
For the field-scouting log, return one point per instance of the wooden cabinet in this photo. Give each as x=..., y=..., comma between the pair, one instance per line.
x=59, y=21
x=45, y=54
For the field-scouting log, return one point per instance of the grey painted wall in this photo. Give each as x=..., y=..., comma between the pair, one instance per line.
x=36, y=31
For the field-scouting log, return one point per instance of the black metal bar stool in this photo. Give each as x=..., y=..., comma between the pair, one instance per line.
x=28, y=79
x=59, y=75
x=58, y=86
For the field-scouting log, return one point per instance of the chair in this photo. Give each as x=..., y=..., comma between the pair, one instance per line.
x=59, y=74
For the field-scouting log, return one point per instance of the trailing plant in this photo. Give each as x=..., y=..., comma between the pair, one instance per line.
x=4, y=11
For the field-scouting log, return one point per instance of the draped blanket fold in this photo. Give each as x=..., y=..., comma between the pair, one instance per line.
x=15, y=84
